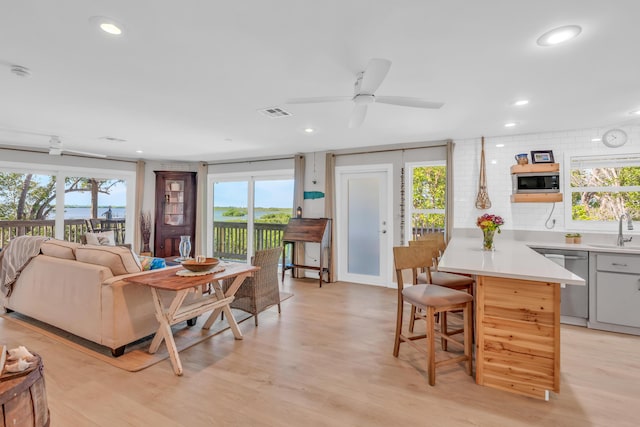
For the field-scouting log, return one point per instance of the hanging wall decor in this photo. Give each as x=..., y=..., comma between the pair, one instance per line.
x=482, y=199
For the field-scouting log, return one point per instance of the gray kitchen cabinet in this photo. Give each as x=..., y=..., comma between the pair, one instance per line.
x=615, y=292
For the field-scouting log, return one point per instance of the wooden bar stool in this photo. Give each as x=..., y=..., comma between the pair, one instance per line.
x=459, y=282
x=432, y=299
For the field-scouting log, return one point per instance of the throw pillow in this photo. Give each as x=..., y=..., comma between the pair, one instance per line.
x=152, y=263
x=104, y=238
x=117, y=258
x=59, y=249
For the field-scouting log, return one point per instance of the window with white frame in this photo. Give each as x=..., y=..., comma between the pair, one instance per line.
x=601, y=189
x=59, y=202
x=426, y=197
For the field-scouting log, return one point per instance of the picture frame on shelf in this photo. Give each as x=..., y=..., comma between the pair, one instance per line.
x=542, y=156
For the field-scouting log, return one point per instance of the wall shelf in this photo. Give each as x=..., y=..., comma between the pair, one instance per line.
x=536, y=198
x=537, y=167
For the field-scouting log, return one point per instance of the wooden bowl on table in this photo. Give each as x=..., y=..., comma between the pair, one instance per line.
x=206, y=265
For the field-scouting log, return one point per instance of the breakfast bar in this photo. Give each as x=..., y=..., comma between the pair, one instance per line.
x=517, y=313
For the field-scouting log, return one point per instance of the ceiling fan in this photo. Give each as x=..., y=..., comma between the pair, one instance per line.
x=367, y=82
x=55, y=144
x=56, y=149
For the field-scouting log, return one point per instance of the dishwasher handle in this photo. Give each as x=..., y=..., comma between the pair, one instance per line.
x=575, y=257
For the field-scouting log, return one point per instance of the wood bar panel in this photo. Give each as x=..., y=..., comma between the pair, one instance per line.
x=518, y=329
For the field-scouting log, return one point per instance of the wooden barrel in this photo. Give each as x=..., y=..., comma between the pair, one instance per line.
x=23, y=398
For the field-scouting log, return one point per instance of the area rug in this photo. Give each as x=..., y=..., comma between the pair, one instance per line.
x=136, y=356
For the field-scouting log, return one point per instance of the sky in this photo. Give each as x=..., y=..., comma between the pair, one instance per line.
x=268, y=194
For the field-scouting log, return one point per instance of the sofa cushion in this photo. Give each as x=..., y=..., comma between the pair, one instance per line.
x=59, y=249
x=119, y=259
x=104, y=238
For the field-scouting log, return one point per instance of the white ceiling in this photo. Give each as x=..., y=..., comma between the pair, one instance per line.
x=186, y=80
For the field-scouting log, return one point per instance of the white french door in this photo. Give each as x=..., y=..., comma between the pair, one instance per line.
x=364, y=229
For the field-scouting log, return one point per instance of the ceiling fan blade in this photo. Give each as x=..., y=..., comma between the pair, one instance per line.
x=408, y=102
x=318, y=99
x=84, y=153
x=374, y=74
x=357, y=116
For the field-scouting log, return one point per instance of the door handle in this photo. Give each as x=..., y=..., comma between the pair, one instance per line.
x=384, y=231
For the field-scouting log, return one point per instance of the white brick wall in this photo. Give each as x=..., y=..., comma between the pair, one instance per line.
x=521, y=216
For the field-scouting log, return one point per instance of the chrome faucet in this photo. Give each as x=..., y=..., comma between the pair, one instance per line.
x=621, y=239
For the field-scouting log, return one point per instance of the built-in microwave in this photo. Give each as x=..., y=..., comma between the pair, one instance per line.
x=536, y=182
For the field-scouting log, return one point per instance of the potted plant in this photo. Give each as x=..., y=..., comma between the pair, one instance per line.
x=573, y=238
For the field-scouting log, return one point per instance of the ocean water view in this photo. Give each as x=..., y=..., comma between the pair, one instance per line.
x=83, y=212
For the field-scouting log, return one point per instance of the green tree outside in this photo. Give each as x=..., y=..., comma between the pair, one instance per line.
x=602, y=205
x=429, y=192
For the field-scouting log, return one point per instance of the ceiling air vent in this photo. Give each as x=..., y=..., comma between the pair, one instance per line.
x=112, y=139
x=275, y=112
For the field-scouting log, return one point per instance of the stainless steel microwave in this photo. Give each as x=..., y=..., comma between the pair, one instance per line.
x=536, y=182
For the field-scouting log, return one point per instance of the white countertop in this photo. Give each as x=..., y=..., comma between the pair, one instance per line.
x=511, y=259
x=591, y=247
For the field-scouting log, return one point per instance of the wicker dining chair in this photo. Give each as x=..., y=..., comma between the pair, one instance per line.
x=261, y=291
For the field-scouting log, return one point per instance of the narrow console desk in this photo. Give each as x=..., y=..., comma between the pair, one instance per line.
x=308, y=230
x=517, y=312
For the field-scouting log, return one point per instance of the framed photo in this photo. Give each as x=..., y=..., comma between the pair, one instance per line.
x=545, y=156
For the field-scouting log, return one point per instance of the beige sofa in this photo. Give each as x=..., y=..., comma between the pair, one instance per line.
x=80, y=289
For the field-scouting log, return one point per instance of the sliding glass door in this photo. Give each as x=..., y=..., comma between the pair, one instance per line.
x=249, y=213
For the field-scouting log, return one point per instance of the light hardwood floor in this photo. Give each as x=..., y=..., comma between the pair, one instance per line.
x=327, y=361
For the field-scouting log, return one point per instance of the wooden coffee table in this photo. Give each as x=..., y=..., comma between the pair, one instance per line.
x=178, y=311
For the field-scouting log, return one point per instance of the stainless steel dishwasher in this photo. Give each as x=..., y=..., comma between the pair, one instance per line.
x=574, y=299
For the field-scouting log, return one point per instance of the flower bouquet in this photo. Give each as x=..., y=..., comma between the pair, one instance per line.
x=489, y=224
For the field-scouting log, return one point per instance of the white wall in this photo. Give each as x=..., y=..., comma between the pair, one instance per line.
x=521, y=216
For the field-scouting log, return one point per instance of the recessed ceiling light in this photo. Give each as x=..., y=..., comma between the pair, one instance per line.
x=559, y=35
x=499, y=145
x=108, y=25
x=494, y=162
x=309, y=130
x=595, y=139
x=139, y=151
x=635, y=113
x=509, y=125
x=521, y=102
x=110, y=28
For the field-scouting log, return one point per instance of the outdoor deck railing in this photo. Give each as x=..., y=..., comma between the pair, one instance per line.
x=230, y=238
x=73, y=229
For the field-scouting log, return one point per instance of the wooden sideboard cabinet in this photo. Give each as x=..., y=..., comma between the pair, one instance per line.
x=175, y=211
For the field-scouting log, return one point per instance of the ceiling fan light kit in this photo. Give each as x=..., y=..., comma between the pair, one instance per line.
x=367, y=82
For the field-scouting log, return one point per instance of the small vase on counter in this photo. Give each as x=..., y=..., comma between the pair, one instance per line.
x=489, y=224
x=487, y=240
